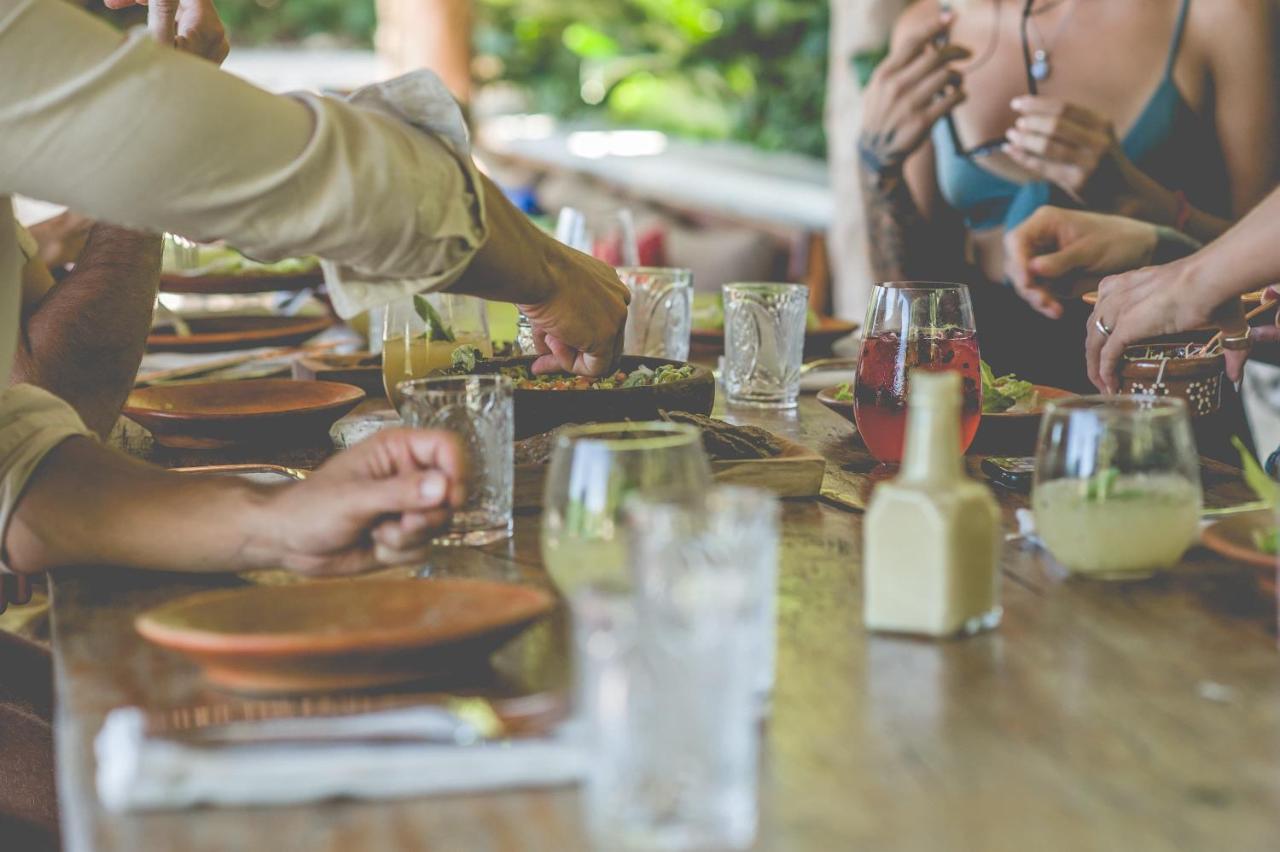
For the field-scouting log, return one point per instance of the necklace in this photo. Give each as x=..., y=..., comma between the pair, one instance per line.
x=1041, y=67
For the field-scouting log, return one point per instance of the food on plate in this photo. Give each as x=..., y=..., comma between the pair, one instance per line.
x=1007, y=394
x=1268, y=491
x=844, y=392
x=224, y=260
x=638, y=378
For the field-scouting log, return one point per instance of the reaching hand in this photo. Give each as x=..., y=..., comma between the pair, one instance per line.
x=1071, y=146
x=189, y=25
x=377, y=504
x=1057, y=245
x=579, y=326
x=911, y=89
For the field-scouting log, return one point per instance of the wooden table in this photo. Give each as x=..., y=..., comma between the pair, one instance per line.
x=1099, y=716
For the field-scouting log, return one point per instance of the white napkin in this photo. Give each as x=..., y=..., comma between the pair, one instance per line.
x=138, y=772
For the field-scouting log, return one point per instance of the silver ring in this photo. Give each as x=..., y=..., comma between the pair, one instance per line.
x=1102, y=327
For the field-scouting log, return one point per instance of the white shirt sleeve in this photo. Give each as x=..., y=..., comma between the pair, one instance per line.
x=128, y=132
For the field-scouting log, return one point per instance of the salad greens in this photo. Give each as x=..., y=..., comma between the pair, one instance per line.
x=1004, y=393
x=436, y=329
x=639, y=377
x=1268, y=491
x=844, y=393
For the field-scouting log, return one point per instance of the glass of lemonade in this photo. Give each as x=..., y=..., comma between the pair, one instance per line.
x=421, y=333
x=1117, y=485
x=594, y=469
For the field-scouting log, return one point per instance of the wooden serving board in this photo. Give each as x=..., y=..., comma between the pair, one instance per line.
x=796, y=472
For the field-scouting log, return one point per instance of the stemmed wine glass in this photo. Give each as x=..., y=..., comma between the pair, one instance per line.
x=914, y=325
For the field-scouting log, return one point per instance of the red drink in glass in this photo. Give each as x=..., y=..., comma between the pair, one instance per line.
x=880, y=387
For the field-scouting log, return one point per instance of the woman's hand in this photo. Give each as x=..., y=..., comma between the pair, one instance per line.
x=192, y=26
x=375, y=505
x=1057, y=245
x=1070, y=146
x=912, y=88
x=1146, y=303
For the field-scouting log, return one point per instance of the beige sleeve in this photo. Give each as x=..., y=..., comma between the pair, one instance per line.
x=32, y=422
x=127, y=132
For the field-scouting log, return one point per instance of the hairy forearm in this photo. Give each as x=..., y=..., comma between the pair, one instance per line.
x=512, y=265
x=903, y=245
x=89, y=505
x=85, y=339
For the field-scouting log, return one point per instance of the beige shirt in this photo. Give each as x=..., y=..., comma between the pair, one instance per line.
x=131, y=133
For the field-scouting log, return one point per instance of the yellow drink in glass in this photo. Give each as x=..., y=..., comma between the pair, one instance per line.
x=405, y=358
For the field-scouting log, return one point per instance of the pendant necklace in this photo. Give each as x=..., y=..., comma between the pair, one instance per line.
x=1041, y=67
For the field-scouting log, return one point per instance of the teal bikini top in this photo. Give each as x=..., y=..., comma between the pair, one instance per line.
x=1169, y=141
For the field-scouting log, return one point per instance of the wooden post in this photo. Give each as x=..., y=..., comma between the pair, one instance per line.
x=434, y=34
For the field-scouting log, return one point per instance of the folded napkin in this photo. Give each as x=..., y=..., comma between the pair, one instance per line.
x=396, y=753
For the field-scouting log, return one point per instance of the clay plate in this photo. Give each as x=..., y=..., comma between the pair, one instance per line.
x=218, y=333
x=540, y=411
x=362, y=369
x=211, y=415
x=817, y=341
x=343, y=635
x=998, y=434
x=1233, y=538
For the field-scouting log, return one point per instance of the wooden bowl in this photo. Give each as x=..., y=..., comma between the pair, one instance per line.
x=817, y=341
x=1233, y=538
x=1197, y=380
x=343, y=635
x=1001, y=433
x=362, y=369
x=538, y=411
x=218, y=333
x=211, y=415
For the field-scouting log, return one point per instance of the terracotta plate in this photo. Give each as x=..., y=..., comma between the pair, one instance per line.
x=816, y=340
x=1233, y=538
x=343, y=635
x=210, y=415
x=217, y=333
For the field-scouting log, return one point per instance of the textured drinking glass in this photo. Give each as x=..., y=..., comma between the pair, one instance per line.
x=1117, y=485
x=914, y=325
x=660, y=317
x=763, y=343
x=667, y=693
x=421, y=333
x=594, y=469
x=480, y=411
x=727, y=530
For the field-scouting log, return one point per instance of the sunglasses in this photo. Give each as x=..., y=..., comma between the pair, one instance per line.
x=993, y=146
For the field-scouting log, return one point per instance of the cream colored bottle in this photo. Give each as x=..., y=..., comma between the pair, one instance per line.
x=931, y=542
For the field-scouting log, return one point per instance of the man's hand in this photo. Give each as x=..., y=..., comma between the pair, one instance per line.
x=189, y=25
x=579, y=326
x=377, y=504
x=1057, y=245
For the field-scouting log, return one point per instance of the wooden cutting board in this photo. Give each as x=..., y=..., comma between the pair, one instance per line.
x=796, y=472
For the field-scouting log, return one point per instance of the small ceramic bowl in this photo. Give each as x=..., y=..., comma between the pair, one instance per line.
x=1166, y=369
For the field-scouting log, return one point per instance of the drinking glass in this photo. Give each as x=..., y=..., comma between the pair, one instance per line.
x=594, y=469
x=1117, y=484
x=666, y=681
x=660, y=317
x=764, y=328
x=420, y=334
x=729, y=531
x=480, y=411
x=914, y=325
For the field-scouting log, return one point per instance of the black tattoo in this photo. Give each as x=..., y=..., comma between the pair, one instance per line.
x=903, y=244
x=877, y=154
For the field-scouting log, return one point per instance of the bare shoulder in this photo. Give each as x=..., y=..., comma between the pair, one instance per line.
x=1219, y=28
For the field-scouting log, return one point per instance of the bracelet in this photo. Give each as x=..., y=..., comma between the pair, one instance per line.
x=1237, y=342
x=1182, y=211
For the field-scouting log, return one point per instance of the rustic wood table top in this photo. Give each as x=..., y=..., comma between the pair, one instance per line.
x=1098, y=716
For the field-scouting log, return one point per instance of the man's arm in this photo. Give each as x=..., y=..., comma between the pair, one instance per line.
x=85, y=339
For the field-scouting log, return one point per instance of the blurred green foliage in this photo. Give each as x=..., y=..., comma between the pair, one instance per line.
x=753, y=70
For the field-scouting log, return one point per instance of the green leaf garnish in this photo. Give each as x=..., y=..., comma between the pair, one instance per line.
x=844, y=393
x=436, y=329
x=1267, y=489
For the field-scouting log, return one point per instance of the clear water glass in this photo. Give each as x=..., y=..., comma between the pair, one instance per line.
x=660, y=317
x=728, y=531
x=480, y=411
x=764, y=327
x=665, y=692
x=594, y=470
x=1117, y=485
